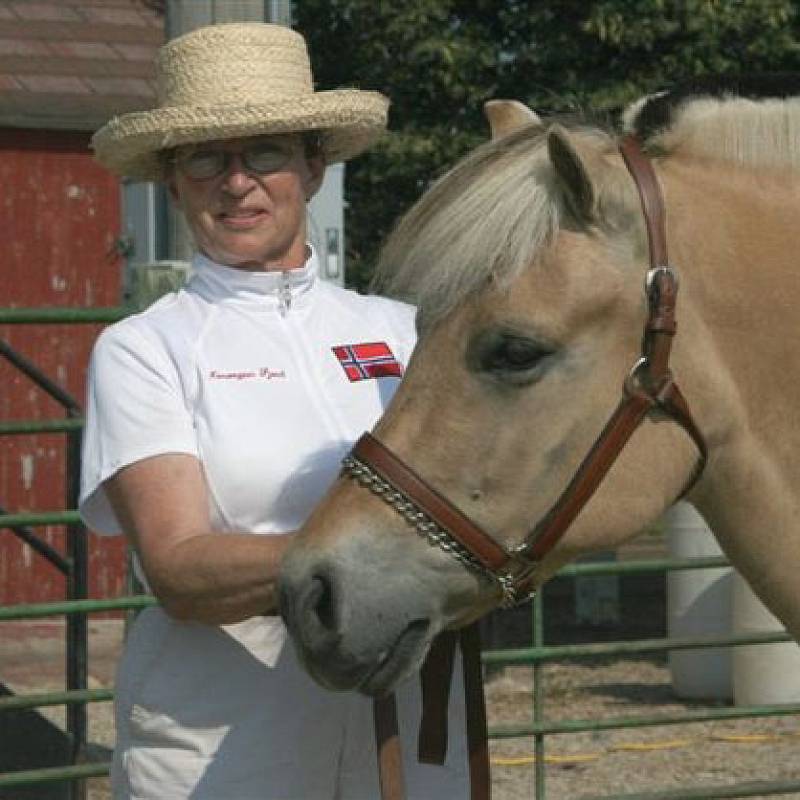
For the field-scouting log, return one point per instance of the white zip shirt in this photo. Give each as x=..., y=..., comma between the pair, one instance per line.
x=268, y=379
x=239, y=369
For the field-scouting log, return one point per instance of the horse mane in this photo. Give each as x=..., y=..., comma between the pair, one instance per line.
x=494, y=212
x=748, y=120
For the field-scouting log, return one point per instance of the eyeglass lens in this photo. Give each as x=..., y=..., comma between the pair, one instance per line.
x=261, y=159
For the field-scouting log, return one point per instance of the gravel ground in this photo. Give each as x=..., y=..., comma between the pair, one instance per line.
x=654, y=759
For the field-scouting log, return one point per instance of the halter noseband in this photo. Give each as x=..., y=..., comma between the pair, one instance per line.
x=649, y=387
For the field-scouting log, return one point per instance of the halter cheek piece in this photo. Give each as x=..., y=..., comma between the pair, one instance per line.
x=648, y=389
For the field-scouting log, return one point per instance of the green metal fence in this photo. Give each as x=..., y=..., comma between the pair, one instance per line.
x=540, y=654
x=75, y=697
x=73, y=562
x=536, y=656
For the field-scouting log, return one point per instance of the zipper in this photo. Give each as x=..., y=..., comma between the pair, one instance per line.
x=284, y=295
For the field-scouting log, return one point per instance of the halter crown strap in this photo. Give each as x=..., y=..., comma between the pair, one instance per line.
x=650, y=194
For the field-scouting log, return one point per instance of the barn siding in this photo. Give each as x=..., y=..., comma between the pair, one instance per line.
x=59, y=220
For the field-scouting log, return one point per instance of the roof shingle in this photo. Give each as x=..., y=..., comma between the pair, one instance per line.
x=53, y=53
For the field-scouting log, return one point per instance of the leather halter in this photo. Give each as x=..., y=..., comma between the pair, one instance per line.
x=648, y=389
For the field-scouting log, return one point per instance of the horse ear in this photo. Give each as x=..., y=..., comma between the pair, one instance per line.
x=507, y=115
x=578, y=189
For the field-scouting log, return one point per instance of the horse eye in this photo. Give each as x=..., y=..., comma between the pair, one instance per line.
x=513, y=353
x=508, y=356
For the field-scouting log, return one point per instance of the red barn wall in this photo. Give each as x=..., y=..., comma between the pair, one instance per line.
x=59, y=220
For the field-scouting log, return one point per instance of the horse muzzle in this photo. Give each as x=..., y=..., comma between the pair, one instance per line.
x=351, y=635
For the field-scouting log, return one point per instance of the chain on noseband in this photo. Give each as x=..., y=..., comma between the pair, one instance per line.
x=422, y=516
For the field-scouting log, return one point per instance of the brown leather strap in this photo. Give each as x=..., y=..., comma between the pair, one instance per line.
x=492, y=555
x=649, y=386
x=436, y=677
x=674, y=403
x=661, y=324
x=477, y=734
x=390, y=755
x=618, y=430
x=650, y=194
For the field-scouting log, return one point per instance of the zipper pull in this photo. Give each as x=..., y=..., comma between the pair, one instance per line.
x=284, y=295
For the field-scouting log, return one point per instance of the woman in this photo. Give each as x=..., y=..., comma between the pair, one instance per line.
x=223, y=411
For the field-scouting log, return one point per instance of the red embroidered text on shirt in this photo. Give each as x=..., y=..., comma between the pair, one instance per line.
x=368, y=360
x=263, y=373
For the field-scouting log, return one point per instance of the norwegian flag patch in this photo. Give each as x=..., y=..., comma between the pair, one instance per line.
x=369, y=360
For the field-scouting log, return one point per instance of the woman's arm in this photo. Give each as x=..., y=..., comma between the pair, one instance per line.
x=197, y=574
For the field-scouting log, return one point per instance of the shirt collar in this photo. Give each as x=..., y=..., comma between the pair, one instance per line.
x=279, y=290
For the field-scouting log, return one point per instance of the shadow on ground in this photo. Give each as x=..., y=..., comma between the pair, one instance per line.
x=30, y=741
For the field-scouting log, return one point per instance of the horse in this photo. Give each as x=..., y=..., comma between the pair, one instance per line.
x=527, y=262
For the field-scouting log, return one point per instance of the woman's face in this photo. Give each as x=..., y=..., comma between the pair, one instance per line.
x=252, y=213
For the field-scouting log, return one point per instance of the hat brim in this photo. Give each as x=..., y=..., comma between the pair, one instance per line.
x=348, y=121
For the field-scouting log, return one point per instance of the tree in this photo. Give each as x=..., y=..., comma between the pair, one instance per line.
x=439, y=60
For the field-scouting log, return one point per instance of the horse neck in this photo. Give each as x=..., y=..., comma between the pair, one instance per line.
x=735, y=239
x=735, y=236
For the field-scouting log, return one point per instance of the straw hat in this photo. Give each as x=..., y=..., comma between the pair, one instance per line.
x=232, y=80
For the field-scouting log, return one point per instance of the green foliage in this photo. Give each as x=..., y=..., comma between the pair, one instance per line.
x=439, y=60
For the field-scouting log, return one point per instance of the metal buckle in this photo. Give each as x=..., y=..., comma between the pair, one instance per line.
x=654, y=272
x=511, y=596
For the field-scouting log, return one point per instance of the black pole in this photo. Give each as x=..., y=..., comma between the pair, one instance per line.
x=77, y=666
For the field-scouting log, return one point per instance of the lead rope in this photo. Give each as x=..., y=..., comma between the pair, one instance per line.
x=390, y=755
x=436, y=678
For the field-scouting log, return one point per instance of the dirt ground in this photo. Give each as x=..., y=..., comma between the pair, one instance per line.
x=652, y=760
x=648, y=760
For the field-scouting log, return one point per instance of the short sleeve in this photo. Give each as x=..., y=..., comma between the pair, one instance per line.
x=136, y=408
x=404, y=318
x=401, y=319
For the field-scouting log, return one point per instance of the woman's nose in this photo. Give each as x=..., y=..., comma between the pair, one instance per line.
x=236, y=178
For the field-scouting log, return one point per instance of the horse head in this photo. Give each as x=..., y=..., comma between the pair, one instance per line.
x=527, y=261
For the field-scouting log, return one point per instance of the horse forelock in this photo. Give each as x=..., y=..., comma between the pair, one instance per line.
x=488, y=218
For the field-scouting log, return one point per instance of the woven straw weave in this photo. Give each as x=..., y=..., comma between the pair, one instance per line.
x=234, y=80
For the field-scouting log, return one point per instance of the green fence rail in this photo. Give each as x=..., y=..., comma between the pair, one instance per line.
x=42, y=426
x=62, y=316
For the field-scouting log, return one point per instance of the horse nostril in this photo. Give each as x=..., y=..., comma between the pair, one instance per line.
x=321, y=602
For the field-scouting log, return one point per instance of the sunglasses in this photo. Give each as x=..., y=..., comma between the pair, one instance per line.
x=261, y=158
